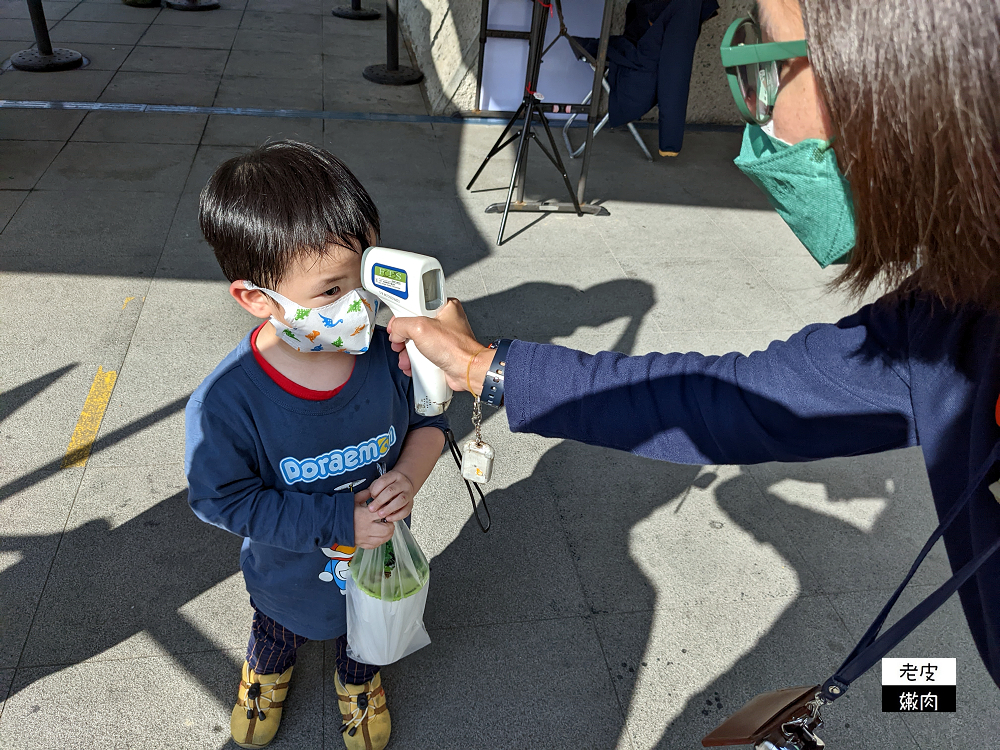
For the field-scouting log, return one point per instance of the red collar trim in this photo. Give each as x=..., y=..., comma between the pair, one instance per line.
x=286, y=384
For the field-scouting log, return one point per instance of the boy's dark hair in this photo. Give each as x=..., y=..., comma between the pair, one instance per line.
x=262, y=209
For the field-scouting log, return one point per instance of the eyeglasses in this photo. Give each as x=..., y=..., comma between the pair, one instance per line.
x=753, y=67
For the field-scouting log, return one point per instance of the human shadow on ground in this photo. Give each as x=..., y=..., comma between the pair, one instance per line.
x=541, y=311
x=842, y=564
x=559, y=552
x=808, y=640
x=554, y=577
x=554, y=596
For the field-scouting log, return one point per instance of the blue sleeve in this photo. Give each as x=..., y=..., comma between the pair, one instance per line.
x=225, y=489
x=830, y=390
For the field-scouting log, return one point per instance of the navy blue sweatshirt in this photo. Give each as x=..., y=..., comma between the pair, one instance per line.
x=895, y=374
x=273, y=468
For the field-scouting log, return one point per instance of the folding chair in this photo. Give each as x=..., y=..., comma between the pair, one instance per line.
x=604, y=120
x=584, y=56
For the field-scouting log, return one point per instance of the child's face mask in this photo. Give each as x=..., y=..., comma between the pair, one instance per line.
x=345, y=325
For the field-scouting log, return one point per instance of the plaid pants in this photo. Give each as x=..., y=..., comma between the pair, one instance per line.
x=272, y=649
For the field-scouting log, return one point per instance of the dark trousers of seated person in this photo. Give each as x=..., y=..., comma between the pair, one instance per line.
x=272, y=650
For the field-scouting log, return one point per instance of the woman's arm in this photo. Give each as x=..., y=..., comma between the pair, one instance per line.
x=776, y=405
x=830, y=390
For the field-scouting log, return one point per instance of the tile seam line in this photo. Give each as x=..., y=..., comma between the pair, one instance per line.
x=623, y=709
x=80, y=124
x=225, y=67
x=623, y=704
x=41, y=592
x=131, y=50
x=138, y=657
x=280, y=113
x=469, y=226
x=625, y=275
x=48, y=165
x=159, y=258
x=7, y=223
x=803, y=321
x=322, y=99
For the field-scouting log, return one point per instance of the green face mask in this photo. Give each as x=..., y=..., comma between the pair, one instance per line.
x=805, y=186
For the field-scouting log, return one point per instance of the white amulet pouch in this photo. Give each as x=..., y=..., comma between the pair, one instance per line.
x=477, y=456
x=477, y=461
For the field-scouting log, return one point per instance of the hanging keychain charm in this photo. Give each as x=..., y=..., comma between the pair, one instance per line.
x=477, y=456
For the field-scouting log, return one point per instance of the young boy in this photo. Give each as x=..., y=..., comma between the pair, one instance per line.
x=286, y=438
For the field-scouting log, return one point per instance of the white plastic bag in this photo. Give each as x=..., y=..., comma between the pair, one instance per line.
x=386, y=594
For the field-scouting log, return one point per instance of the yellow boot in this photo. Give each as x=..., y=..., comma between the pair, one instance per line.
x=257, y=712
x=366, y=716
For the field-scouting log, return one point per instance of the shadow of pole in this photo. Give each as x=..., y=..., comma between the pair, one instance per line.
x=112, y=438
x=15, y=398
x=108, y=584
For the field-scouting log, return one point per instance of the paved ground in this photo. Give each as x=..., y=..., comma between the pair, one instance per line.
x=617, y=602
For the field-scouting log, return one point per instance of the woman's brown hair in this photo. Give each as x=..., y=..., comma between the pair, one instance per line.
x=913, y=92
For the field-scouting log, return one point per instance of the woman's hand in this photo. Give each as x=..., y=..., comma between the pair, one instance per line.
x=448, y=342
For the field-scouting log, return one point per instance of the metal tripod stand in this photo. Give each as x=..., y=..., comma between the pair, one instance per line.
x=531, y=109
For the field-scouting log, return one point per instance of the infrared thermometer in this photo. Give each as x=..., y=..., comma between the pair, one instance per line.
x=411, y=285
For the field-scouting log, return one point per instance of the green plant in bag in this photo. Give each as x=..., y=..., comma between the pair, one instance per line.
x=389, y=561
x=392, y=571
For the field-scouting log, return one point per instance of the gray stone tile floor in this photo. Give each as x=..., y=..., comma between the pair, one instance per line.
x=617, y=602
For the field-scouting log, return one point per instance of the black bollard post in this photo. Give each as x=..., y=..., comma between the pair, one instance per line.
x=44, y=59
x=390, y=73
x=356, y=12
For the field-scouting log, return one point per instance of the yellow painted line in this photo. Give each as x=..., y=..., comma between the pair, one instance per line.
x=90, y=419
x=127, y=300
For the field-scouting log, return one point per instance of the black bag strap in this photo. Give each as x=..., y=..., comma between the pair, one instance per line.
x=872, y=647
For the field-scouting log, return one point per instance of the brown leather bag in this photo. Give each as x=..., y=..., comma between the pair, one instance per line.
x=780, y=720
